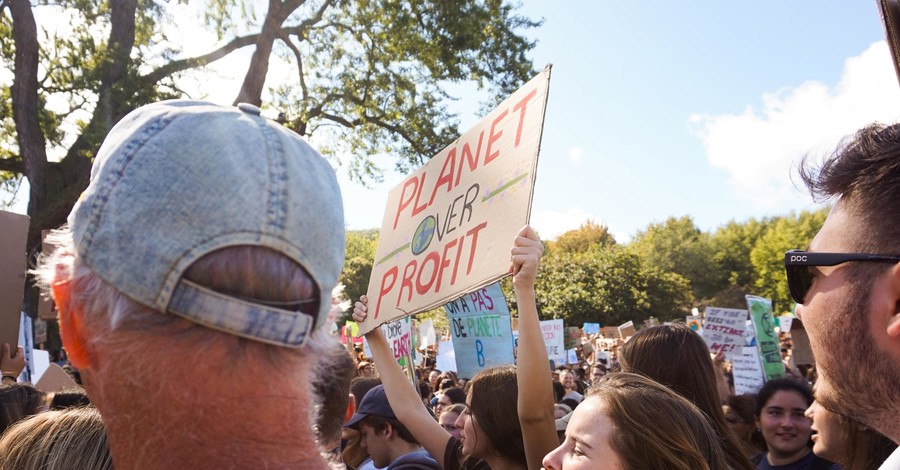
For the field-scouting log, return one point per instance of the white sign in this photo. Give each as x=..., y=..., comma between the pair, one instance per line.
x=747, y=371
x=446, y=357
x=554, y=337
x=723, y=330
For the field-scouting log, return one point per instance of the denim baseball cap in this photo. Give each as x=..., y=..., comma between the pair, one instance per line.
x=374, y=403
x=176, y=180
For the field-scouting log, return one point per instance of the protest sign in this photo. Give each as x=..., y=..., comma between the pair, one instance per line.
x=723, y=330
x=54, y=380
x=694, y=323
x=398, y=334
x=427, y=335
x=747, y=371
x=591, y=328
x=627, y=329
x=766, y=340
x=801, y=351
x=602, y=357
x=480, y=330
x=13, y=258
x=784, y=323
x=350, y=333
x=41, y=361
x=610, y=332
x=446, y=356
x=553, y=340
x=571, y=356
x=447, y=228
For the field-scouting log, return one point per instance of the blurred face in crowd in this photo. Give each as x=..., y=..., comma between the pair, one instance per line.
x=568, y=380
x=597, y=373
x=433, y=378
x=448, y=421
x=443, y=402
x=741, y=428
x=829, y=437
x=588, y=441
x=374, y=444
x=784, y=426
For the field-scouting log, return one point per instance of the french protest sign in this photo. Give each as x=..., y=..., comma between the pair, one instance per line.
x=447, y=228
x=480, y=330
x=554, y=338
x=766, y=340
x=723, y=330
x=747, y=371
x=398, y=334
x=13, y=261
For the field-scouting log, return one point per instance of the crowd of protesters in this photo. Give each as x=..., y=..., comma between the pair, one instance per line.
x=201, y=335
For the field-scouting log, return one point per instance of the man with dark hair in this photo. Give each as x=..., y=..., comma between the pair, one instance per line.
x=388, y=442
x=848, y=281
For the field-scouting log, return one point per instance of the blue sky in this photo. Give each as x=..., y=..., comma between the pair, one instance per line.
x=689, y=108
x=671, y=108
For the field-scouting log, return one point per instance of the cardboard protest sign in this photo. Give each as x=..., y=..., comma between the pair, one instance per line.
x=610, y=332
x=448, y=227
x=553, y=339
x=54, y=380
x=766, y=340
x=591, y=328
x=724, y=329
x=747, y=371
x=13, y=261
x=801, y=351
x=398, y=334
x=480, y=330
x=627, y=329
x=694, y=323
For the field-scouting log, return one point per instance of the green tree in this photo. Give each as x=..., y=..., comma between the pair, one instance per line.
x=587, y=237
x=360, y=253
x=370, y=74
x=767, y=256
x=680, y=247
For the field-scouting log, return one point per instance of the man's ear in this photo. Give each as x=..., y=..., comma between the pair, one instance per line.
x=70, y=330
x=893, y=325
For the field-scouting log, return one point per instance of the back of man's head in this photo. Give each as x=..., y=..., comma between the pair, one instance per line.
x=196, y=274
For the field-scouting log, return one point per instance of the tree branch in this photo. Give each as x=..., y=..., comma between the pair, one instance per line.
x=13, y=165
x=193, y=62
x=287, y=41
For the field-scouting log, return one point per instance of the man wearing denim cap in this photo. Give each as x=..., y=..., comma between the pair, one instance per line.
x=387, y=441
x=193, y=282
x=848, y=281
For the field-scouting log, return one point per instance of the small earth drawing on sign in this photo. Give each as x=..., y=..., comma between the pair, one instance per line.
x=423, y=236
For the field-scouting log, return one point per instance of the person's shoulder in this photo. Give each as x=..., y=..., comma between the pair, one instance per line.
x=419, y=459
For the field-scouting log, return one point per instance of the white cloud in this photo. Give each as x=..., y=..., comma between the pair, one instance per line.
x=551, y=224
x=575, y=154
x=759, y=149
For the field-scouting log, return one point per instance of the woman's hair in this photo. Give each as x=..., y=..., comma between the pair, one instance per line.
x=18, y=401
x=57, y=440
x=863, y=444
x=656, y=428
x=360, y=386
x=455, y=394
x=784, y=384
x=69, y=398
x=677, y=357
x=493, y=400
x=458, y=408
x=745, y=407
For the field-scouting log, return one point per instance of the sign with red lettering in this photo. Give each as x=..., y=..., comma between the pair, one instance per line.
x=723, y=330
x=448, y=227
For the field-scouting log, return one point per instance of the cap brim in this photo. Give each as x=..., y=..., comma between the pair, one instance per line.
x=354, y=421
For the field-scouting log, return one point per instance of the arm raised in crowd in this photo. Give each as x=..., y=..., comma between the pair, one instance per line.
x=535, y=401
x=404, y=399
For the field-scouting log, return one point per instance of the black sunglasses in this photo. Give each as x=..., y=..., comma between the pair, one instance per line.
x=797, y=262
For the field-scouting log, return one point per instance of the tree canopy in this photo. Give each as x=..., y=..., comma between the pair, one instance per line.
x=370, y=77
